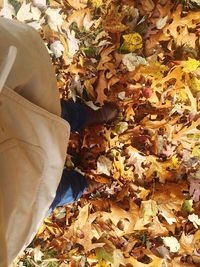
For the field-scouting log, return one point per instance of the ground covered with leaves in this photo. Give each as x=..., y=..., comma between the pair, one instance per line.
x=144, y=56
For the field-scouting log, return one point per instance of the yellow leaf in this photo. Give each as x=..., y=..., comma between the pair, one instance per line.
x=89, y=86
x=132, y=42
x=196, y=151
x=196, y=240
x=155, y=70
x=97, y=3
x=102, y=264
x=175, y=161
x=190, y=65
x=195, y=82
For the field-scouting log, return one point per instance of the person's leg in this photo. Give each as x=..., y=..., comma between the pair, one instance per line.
x=75, y=113
x=79, y=115
x=72, y=185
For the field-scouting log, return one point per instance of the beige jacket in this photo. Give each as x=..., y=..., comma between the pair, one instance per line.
x=33, y=138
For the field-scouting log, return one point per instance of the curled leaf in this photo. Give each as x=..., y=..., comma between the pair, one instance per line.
x=132, y=60
x=57, y=48
x=131, y=42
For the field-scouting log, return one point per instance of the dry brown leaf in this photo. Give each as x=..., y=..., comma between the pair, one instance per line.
x=186, y=243
x=102, y=84
x=155, y=228
x=81, y=231
x=117, y=214
x=77, y=4
x=155, y=261
x=105, y=57
x=77, y=16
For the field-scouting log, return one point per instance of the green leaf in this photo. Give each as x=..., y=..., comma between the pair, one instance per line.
x=121, y=127
x=102, y=254
x=16, y=4
x=194, y=136
x=196, y=151
x=89, y=51
x=132, y=42
x=187, y=205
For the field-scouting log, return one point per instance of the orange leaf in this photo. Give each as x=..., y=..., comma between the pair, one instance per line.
x=101, y=86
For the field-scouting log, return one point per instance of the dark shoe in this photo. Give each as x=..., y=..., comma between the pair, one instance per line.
x=92, y=186
x=106, y=114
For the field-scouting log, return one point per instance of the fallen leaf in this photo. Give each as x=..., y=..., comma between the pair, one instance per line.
x=77, y=4
x=132, y=42
x=57, y=48
x=172, y=243
x=54, y=18
x=104, y=165
x=132, y=60
x=24, y=12
x=102, y=84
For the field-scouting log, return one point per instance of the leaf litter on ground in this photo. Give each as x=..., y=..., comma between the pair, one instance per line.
x=144, y=56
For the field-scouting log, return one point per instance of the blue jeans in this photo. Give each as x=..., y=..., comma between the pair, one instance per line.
x=72, y=184
x=75, y=113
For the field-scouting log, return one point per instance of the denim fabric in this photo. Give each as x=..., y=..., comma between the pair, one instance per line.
x=75, y=113
x=72, y=184
x=71, y=187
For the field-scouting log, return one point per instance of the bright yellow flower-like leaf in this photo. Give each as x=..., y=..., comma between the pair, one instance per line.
x=132, y=42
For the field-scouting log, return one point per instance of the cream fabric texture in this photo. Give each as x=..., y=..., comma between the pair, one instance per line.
x=33, y=139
